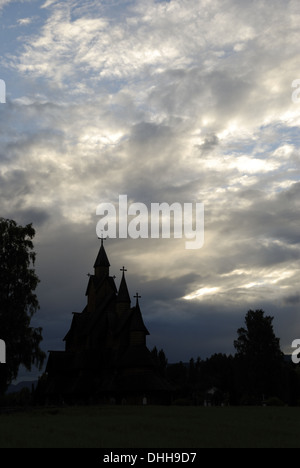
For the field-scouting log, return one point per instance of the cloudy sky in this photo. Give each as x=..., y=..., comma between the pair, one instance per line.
x=165, y=101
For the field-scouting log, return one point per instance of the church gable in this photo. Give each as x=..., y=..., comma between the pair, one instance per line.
x=75, y=338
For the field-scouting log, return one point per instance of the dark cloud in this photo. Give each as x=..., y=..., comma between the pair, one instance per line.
x=292, y=300
x=34, y=216
x=173, y=104
x=210, y=142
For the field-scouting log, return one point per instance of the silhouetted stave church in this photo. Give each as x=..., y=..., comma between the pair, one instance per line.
x=106, y=359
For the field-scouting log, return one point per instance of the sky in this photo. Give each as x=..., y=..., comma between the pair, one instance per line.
x=163, y=101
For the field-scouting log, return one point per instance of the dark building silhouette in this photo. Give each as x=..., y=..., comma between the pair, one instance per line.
x=106, y=358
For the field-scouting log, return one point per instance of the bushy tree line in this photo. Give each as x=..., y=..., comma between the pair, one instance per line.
x=257, y=374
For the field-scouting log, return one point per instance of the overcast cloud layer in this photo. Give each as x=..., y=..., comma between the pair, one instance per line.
x=165, y=101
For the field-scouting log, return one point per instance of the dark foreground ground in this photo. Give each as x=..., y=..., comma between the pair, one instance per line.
x=151, y=427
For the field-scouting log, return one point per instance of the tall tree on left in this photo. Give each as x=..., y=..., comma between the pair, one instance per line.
x=18, y=302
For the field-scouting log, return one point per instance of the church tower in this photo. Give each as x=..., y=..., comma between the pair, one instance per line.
x=123, y=299
x=102, y=264
x=106, y=357
x=138, y=331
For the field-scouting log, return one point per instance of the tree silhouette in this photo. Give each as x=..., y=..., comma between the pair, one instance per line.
x=259, y=356
x=160, y=360
x=18, y=303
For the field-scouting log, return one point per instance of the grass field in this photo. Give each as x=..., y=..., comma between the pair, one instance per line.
x=151, y=427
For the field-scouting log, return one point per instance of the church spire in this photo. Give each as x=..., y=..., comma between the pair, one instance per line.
x=123, y=294
x=123, y=299
x=138, y=330
x=101, y=264
x=137, y=297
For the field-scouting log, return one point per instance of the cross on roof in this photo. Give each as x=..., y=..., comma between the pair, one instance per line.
x=123, y=269
x=137, y=297
x=102, y=238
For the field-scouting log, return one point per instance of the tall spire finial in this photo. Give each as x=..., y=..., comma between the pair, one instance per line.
x=102, y=238
x=137, y=297
x=123, y=294
x=101, y=264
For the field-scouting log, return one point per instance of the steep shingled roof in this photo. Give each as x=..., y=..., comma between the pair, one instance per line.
x=102, y=260
x=123, y=294
x=137, y=322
